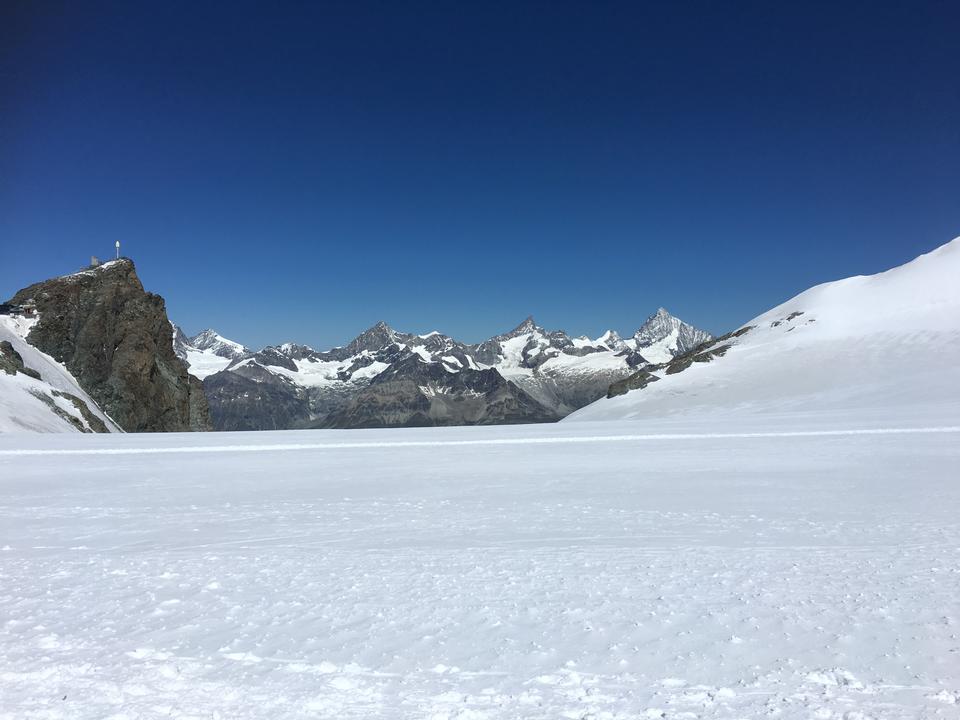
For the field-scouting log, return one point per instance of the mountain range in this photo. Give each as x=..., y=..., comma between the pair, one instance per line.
x=93, y=351
x=388, y=378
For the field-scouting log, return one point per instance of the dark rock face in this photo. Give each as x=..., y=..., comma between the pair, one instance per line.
x=253, y=398
x=379, y=336
x=11, y=362
x=116, y=340
x=637, y=381
x=682, y=363
x=414, y=393
x=273, y=356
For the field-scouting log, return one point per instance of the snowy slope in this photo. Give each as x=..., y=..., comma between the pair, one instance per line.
x=572, y=570
x=207, y=352
x=885, y=345
x=200, y=364
x=211, y=341
x=25, y=402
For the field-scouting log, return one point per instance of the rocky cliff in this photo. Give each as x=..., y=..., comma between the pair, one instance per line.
x=116, y=340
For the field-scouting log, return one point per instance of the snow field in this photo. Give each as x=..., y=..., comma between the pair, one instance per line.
x=801, y=576
x=204, y=363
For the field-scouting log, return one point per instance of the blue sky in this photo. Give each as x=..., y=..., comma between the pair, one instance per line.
x=299, y=173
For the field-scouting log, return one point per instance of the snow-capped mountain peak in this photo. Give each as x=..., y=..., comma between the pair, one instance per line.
x=212, y=341
x=527, y=327
x=656, y=327
x=664, y=336
x=207, y=352
x=373, y=338
x=296, y=350
x=611, y=339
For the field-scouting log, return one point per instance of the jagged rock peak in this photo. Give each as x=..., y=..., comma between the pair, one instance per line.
x=662, y=327
x=525, y=328
x=374, y=338
x=380, y=328
x=658, y=325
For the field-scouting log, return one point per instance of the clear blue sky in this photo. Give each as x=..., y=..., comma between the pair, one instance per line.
x=298, y=173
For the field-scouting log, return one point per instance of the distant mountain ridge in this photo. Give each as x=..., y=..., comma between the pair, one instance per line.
x=385, y=377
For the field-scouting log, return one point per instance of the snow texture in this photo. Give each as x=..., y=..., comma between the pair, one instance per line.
x=805, y=569
x=207, y=352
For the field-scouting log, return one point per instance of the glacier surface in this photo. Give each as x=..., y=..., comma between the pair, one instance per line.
x=797, y=568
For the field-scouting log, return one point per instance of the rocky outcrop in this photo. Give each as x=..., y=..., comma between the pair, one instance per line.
x=116, y=340
x=704, y=352
x=11, y=362
x=637, y=381
x=86, y=423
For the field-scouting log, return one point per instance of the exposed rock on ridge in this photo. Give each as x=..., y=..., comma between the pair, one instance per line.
x=116, y=340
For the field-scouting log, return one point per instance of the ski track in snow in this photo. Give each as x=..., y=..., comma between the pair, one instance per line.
x=791, y=574
x=285, y=447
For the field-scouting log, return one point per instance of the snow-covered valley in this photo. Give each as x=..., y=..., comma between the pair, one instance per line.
x=786, y=568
